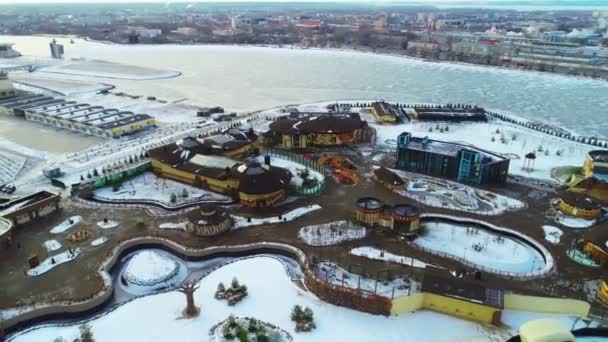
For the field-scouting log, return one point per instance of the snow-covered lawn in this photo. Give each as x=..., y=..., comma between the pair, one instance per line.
x=485, y=249
x=176, y=226
x=148, y=186
x=240, y=222
x=398, y=286
x=99, y=241
x=54, y=261
x=52, y=245
x=572, y=222
x=272, y=296
x=109, y=224
x=378, y=254
x=482, y=134
x=441, y=193
x=331, y=233
x=552, y=234
x=149, y=268
x=67, y=224
x=296, y=169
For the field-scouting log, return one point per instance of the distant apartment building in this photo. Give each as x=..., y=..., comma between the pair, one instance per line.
x=144, y=32
x=422, y=46
x=463, y=163
x=57, y=50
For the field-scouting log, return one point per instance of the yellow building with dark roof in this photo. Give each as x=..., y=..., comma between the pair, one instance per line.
x=300, y=131
x=253, y=184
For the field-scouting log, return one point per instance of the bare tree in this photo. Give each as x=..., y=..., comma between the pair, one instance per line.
x=188, y=289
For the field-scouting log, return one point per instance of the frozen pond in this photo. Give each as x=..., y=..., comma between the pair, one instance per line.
x=480, y=246
x=269, y=77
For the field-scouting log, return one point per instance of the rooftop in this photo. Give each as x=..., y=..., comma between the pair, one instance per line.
x=450, y=149
x=599, y=156
x=317, y=123
x=442, y=282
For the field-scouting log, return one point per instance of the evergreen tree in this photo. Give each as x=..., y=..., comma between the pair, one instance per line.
x=307, y=315
x=184, y=193
x=85, y=333
x=235, y=283
x=221, y=287
x=173, y=197
x=297, y=313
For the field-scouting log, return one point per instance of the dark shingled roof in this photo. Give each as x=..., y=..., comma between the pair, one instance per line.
x=209, y=213
x=600, y=156
x=318, y=123
x=387, y=176
x=256, y=178
x=442, y=282
x=580, y=201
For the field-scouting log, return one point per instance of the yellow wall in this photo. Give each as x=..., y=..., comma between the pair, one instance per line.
x=407, y=304
x=603, y=292
x=218, y=185
x=588, y=166
x=447, y=305
x=383, y=118
x=187, y=177
x=461, y=308
x=547, y=304
x=573, y=211
x=263, y=200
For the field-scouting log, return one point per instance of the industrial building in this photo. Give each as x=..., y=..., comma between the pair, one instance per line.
x=448, y=113
x=402, y=219
x=385, y=112
x=596, y=165
x=463, y=163
x=28, y=208
x=71, y=115
x=253, y=184
x=303, y=130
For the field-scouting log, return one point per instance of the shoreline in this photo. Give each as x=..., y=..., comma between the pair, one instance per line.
x=346, y=49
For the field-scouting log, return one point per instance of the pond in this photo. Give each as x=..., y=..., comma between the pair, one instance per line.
x=481, y=246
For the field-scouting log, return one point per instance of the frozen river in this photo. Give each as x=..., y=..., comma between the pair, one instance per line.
x=250, y=78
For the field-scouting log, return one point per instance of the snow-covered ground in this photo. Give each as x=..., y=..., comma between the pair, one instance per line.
x=488, y=250
x=67, y=224
x=109, y=224
x=105, y=69
x=331, y=233
x=54, y=261
x=442, y=193
x=572, y=222
x=552, y=234
x=296, y=169
x=398, y=286
x=176, y=226
x=61, y=86
x=379, y=254
x=148, y=186
x=240, y=221
x=482, y=134
x=272, y=296
x=52, y=245
x=99, y=241
x=149, y=268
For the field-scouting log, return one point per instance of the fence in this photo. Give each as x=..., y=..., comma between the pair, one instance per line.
x=593, y=141
x=308, y=163
x=549, y=263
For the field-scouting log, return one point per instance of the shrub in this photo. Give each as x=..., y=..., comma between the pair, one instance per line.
x=242, y=334
x=262, y=338
x=85, y=333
